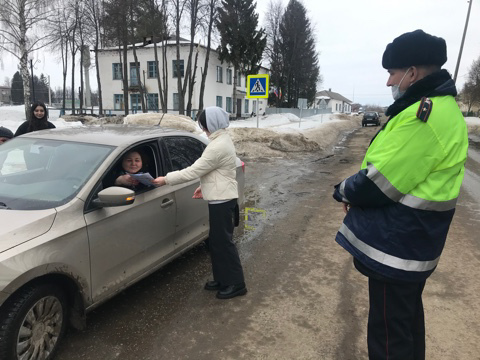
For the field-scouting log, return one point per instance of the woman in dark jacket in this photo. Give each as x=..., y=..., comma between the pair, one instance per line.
x=38, y=120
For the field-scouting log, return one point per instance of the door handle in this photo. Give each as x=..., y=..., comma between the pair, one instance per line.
x=166, y=203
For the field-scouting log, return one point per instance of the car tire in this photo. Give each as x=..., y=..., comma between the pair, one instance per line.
x=33, y=322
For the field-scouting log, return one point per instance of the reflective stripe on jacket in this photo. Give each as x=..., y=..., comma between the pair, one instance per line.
x=403, y=198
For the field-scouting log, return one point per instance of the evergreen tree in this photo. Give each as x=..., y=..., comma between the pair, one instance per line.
x=240, y=43
x=301, y=71
x=17, y=89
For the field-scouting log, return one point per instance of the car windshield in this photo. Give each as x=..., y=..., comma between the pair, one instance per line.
x=41, y=174
x=370, y=114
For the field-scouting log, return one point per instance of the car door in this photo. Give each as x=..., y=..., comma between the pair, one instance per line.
x=192, y=214
x=127, y=242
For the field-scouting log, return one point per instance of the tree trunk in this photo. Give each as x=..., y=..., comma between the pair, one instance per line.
x=24, y=64
x=80, y=95
x=234, y=96
x=159, y=82
x=165, y=76
x=191, y=86
x=207, y=56
x=125, y=75
x=140, y=85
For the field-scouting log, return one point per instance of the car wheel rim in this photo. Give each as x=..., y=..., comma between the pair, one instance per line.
x=40, y=329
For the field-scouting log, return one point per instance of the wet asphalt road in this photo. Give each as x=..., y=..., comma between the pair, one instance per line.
x=305, y=299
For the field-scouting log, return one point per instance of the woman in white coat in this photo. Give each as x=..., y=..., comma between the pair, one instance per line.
x=216, y=169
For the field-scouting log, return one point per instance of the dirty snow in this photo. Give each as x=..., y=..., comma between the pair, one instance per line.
x=277, y=136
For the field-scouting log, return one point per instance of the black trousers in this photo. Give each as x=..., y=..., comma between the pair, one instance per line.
x=226, y=266
x=396, y=323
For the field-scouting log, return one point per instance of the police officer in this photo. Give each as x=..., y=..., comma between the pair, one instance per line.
x=400, y=204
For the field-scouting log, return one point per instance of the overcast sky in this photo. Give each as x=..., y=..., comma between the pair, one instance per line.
x=351, y=37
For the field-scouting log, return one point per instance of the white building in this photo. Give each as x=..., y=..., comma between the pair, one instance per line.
x=218, y=86
x=327, y=99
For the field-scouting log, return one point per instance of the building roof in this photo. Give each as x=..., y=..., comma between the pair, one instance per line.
x=328, y=94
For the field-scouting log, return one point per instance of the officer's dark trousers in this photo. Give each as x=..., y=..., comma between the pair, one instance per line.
x=396, y=326
x=226, y=266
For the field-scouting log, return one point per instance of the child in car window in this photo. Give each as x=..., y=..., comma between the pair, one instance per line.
x=132, y=163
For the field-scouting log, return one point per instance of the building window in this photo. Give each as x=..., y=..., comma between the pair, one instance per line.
x=229, y=76
x=229, y=105
x=152, y=102
x=118, y=102
x=176, y=105
x=117, y=71
x=135, y=102
x=219, y=101
x=134, y=80
x=152, y=69
x=180, y=65
x=246, y=107
x=219, y=74
x=239, y=79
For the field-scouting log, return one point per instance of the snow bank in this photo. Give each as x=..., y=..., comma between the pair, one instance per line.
x=179, y=122
x=279, y=140
x=279, y=134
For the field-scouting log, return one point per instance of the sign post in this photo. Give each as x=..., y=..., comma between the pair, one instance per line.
x=257, y=88
x=301, y=103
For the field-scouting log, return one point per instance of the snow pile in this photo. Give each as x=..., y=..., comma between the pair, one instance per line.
x=94, y=120
x=278, y=135
x=281, y=139
x=180, y=122
x=252, y=142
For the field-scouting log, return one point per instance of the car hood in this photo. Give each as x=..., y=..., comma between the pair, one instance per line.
x=18, y=226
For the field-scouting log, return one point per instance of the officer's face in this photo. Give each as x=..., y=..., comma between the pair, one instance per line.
x=396, y=75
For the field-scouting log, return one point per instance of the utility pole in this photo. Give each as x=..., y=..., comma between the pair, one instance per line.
x=463, y=41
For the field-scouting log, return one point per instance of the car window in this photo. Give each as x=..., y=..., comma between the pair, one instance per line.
x=149, y=165
x=183, y=151
x=41, y=174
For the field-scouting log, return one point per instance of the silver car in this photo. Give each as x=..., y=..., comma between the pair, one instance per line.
x=69, y=241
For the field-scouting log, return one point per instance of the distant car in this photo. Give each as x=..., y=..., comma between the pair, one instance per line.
x=69, y=241
x=371, y=117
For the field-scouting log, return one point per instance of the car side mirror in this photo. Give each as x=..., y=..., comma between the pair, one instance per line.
x=114, y=196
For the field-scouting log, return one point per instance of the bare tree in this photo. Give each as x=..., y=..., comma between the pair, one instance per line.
x=59, y=29
x=273, y=56
x=178, y=9
x=20, y=34
x=210, y=16
x=134, y=48
x=74, y=7
x=7, y=82
x=193, y=9
x=93, y=12
x=470, y=94
x=115, y=22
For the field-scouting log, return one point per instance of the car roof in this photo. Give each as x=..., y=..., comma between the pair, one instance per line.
x=113, y=135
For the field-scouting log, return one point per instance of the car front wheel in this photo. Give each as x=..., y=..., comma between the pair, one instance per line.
x=33, y=322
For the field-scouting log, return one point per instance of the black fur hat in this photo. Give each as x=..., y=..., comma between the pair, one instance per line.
x=415, y=48
x=4, y=132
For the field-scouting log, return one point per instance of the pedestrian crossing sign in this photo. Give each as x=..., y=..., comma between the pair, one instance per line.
x=257, y=86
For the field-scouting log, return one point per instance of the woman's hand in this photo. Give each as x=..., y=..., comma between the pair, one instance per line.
x=159, y=181
x=126, y=180
x=198, y=193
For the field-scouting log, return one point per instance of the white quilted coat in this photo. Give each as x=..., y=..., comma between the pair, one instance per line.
x=216, y=169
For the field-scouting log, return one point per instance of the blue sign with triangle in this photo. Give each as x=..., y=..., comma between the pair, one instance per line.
x=257, y=86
